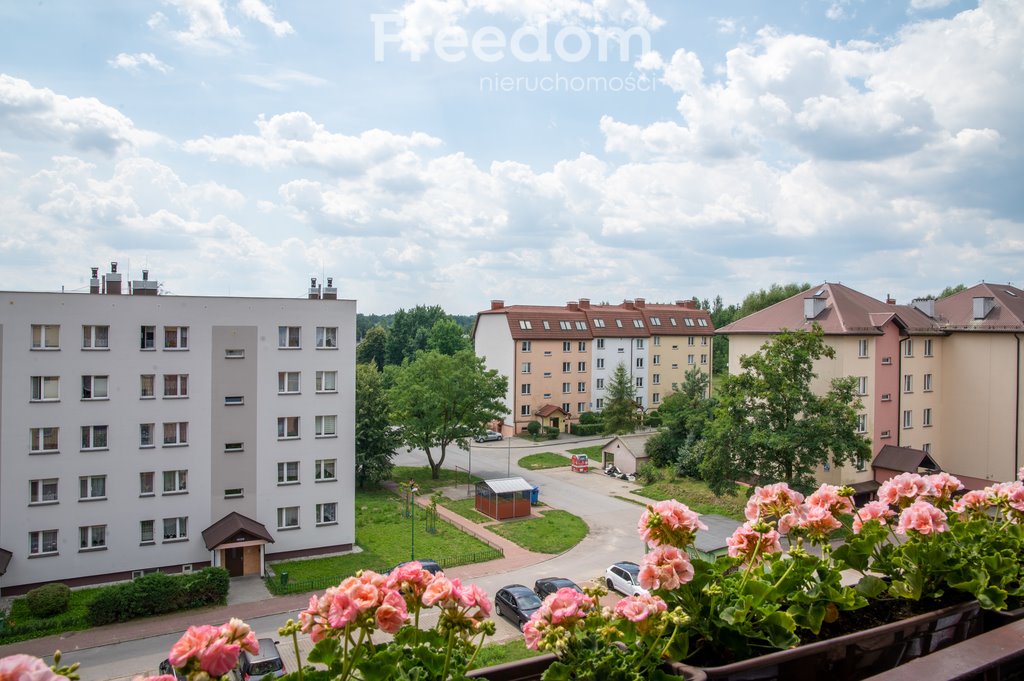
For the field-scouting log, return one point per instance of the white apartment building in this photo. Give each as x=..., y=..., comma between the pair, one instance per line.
x=143, y=432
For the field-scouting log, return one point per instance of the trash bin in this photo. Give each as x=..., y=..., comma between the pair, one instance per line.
x=284, y=579
x=534, y=496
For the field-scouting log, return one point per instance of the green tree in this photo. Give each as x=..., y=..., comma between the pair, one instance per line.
x=950, y=290
x=376, y=440
x=684, y=414
x=769, y=426
x=410, y=331
x=371, y=349
x=620, y=412
x=440, y=399
x=447, y=337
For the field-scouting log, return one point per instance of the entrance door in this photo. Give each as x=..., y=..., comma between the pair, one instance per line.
x=233, y=562
x=554, y=422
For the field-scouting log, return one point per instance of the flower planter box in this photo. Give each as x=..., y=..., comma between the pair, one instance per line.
x=858, y=655
x=532, y=668
x=993, y=619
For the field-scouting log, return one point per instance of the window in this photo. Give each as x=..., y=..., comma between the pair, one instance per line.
x=42, y=543
x=326, y=426
x=639, y=381
x=45, y=388
x=175, y=482
x=327, y=381
x=688, y=321
x=702, y=322
x=655, y=398
x=147, y=340
x=908, y=419
x=887, y=397
x=926, y=417
x=908, y=347
x=547, y=325
x=657, y=341
x=288, y=336
x=656, y=360
x=581, y=387
x=146, y=532
x=176, y=433
x=524, y=410
x=704, y=340
x=600, y=343
x=327, y=337
x=639, y=343
x=566, y=407
x=861, y=463
x=288, y=518
x=599, y=403
x=639, y=362
x=43, y=440
x=927, y=347
x=582, y=346
x=175, y=338
x=600, y=362
x=287, y=472
x=94, y=437
x=862, y=423
x=42, y=491
x=862, y=385
x=146, y=386
x=690, y=340
x=599, y=384
x=287, y=427
x=640, y=402
x=581, y=326
x=525, y=324
x=175, y=385
x=886, y=361
x=598, y=323
x=327, y=514
x=524, y=389
x=672, y=320
x=233, y=400
x=234, y=353
x=95, y=337
x=703, y=358
x=656, y=379
x=566, y=367
x=176, y=529
x=926, y=383
x=926, y=448
x=234, y=492
x=581, y=407
x=94, y=388
x=526, y=346
x=689, y=359
x=655, y=321
x=862, y=348
x=581, y=367
x=146, y=435
x=92, y=487
x=46, y=337
x=230, y=447
x=886, y=434
x=566, y=346
x=566, y=387
x=908, y=383
x=525, y=368
x=618, y=323
x=547, y=353
x=92, y=537
x=564, y=325
x=146, y=484
x=323, y=470
x=638, y=323
x=287, y=382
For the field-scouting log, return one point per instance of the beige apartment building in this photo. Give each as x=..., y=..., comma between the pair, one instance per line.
x=560, y=359
x=939, y=377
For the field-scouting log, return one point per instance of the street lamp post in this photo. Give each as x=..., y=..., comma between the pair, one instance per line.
x=413, y=489
x=509, y=459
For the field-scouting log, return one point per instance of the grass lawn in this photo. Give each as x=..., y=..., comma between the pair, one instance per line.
x=593, y=452
x=466, y=508
x=554, y=532
x=500, y=653
x=384, y=534
x=72, y=619
x=541, y=460
x=426, y=484
x=694, y=494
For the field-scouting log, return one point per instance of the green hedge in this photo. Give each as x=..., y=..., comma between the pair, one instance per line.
x=587, y=429
x=48, y=600
x=158, y=593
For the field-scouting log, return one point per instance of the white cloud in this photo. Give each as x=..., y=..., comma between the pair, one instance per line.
x=82, y=122
x=279, y=79
x=208, y=27
x=255, y=9
x=726, y=26
x=134, y=62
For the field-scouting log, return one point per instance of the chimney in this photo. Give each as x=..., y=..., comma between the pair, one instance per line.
x=330, y=293
x=813, y=307
x=584, y=303
x=982, y=306
x=497, y=304
x=889, y=300
x=628, y=304
x=145, y=287
x=687, y=304
x=572, y=306
x=926, y=305
x=94, y=283
x=314, y=290
x=640, y=302
x=113, y=281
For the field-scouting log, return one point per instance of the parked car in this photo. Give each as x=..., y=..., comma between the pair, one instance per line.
x=165, y=668
x=516, y=603
x=546, y=586
x=430, y=566
x=267, y=662
x=488, y=436
x=624, y=577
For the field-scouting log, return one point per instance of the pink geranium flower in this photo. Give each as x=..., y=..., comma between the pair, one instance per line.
x=751, y=545
x=818, y=522
x=873, y=510
x=219, y=657
x=922, y=517
x=772, y=501
x=639, y=607
x=942, y=486
x=191, y=644
x=669, y=522
x=902, y=489
x=392, y=613
x=440, y=589
x=976, y=501
x=22, y=667
x=829, y=498
x=666, y=567
x=342, y=610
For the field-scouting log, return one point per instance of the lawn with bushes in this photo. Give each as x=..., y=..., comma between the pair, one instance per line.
x=593, y=452
x=466, y=508
x=535, y=462
x=426, y=484
x=693, y=493
x=554, y=532
x=500, y=653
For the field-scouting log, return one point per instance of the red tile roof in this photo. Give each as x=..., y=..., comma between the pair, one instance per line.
x=956, y=312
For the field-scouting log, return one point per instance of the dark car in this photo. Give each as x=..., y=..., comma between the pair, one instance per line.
x=516, y=603
x=430, y=566
x=548, y=585
x=166, y=668
x=267, y=662
x=488, y=436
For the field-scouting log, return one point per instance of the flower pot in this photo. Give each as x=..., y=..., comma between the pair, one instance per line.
x=860, y=654
x=532, y=668
x=993, y=619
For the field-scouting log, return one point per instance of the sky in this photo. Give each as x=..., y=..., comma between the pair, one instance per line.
x=453, y=152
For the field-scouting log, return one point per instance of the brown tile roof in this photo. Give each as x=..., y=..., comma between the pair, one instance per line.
x=548, y=409
x=232, y=524
x=956, y=312
x=903, y=459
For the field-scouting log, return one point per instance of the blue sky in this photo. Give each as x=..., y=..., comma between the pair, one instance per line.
x=241, y=146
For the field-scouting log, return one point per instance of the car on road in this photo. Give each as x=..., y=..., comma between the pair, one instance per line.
x=516, y=603
x=267, y=662
x=166, y=669
x=427, y=564
x=546, y=586
x=624, y=577
x=488, y=436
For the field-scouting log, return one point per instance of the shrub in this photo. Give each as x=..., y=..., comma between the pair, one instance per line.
x=689, y=459
x=109, y=606
x=154, y=594
x=589, y=418
x=648, y=474
x=661, y=449
x=207, y=587
x=551, y=432
x=587, y=429
x=653, y=419
x=158, y=593
x=48, y=600
x=533, y=428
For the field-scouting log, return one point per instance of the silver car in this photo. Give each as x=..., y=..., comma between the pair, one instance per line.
x=488, y=436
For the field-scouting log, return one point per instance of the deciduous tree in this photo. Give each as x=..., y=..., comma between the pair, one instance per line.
x=372, y=348
x=409, y=332
x=376, y=440
x=447, y=337
x=620, y=413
